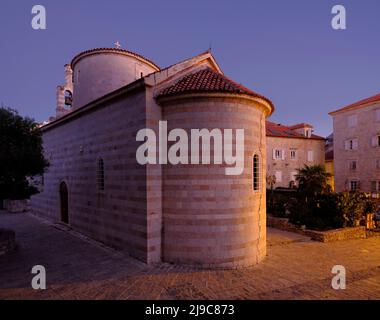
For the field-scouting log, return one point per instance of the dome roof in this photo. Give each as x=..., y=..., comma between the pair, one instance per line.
x=208, y=81
x=113, y=50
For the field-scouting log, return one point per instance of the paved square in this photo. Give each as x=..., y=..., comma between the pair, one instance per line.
x=79, y=268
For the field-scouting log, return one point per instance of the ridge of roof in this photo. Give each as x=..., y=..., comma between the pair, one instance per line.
x=358, y=104
x=300, y=125
x=115, y=50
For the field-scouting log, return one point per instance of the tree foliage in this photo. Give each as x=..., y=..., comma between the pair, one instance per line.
x=21, y=155
x=312, y=180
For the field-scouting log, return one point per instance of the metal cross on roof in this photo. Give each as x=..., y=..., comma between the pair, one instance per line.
x=117, y=45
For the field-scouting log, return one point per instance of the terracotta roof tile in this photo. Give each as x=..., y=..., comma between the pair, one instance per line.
x=279, y=130
x=208, y=80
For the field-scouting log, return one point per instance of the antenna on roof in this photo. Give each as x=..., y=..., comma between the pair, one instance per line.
x=209, y=47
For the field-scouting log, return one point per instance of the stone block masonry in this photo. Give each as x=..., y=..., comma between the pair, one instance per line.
x=7, y=241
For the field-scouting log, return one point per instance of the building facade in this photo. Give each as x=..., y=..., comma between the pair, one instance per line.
x=357, y=146
x=290, y=148
x=179, y=213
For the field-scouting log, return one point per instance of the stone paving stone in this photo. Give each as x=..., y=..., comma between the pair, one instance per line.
x=80, y=268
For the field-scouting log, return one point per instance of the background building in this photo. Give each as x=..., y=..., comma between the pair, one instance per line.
x=289, y=148
x=357, y=146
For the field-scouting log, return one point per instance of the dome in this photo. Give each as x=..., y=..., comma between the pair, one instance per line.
x=100, y=71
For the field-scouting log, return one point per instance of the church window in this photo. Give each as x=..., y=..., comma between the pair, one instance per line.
x=100, y=175
x=256, y=173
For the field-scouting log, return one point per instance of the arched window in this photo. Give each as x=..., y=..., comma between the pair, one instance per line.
x=100, y=175
x=256, y=173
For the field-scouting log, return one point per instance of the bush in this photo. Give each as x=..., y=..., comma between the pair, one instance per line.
x=279, y=202
x=331, y=210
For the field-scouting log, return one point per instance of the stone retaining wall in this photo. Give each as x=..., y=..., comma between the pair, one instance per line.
x=7, y=241
x=322, y=236
x=16, y=206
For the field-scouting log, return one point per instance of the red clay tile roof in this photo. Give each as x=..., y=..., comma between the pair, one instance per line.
x=370, y=100
x=116, y=50
x=208, y=80
x=279, y=130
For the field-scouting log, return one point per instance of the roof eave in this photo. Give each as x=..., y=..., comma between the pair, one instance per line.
x=268, y=105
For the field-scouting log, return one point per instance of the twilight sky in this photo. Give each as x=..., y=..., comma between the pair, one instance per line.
x=284, y=49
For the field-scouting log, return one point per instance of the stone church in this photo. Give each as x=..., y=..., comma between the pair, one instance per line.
x=183, y=213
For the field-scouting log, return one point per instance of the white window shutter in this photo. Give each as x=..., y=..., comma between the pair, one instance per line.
x=346, y=145
x=283, y=154
x=278, y=175
x=310, y=155
x=274, y=154
x=374, y=141
x=355, y=144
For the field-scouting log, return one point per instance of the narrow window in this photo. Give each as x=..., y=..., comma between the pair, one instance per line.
x=68, y=99
x=278, y=175
x=377, y=115
x=293, y=154
x=353, y=165
x=310, y=156
x=354, y=185
x=376, y=141
x=352, y=121
x=278, y=154
x=256, y=173
x=377, y=164
x=100, y=175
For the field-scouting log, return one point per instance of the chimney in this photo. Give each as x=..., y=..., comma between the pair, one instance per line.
x=303, y=128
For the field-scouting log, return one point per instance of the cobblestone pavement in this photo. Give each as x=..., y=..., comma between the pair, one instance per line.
x=79, y=268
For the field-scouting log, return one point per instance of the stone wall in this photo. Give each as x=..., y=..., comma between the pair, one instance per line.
x=209, y=218
x=116, y=216
x=337, y=235
x=15, y=206
x=321, y=236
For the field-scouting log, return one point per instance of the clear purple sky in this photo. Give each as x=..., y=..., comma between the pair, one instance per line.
x=284, y=49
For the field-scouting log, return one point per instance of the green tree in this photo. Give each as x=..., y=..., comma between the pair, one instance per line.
x=312, y=180
x=21, y=155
